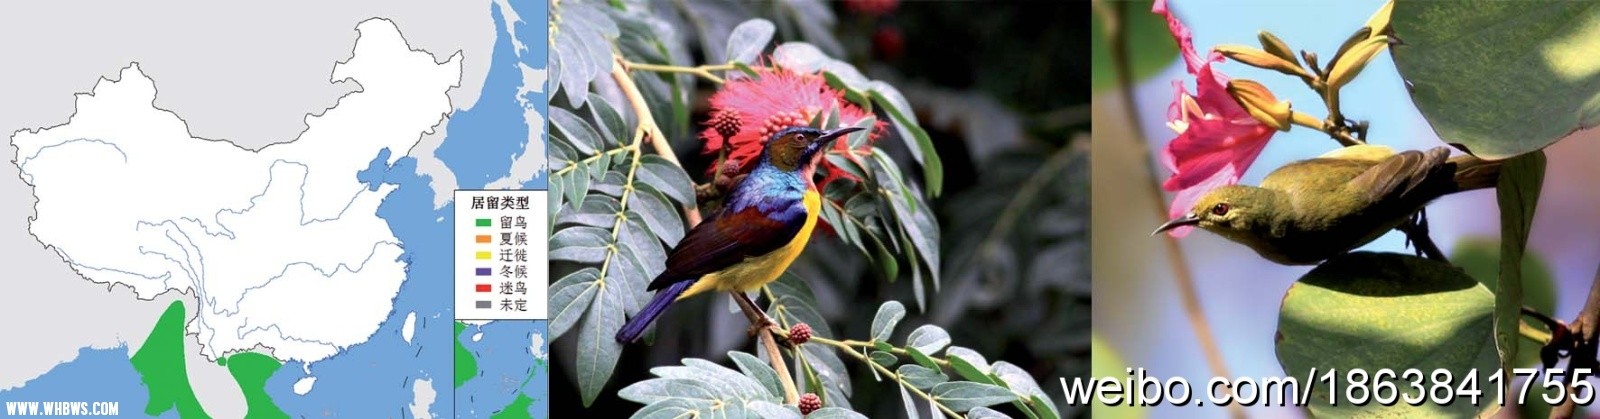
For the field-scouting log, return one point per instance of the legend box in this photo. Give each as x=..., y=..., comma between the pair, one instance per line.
x=502, y=265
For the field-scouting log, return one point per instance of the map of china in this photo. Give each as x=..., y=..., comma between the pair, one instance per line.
x=281, y=246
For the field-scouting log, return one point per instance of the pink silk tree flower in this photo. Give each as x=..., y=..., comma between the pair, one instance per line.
x=1217, y=138
x=746, y=111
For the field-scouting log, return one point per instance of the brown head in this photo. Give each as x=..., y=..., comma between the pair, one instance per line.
x=800, y=148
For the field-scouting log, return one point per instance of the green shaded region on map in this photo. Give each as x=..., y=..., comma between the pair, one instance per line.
x=251, y=370
x=518, y=409
x=466, y=364
x=161, y=367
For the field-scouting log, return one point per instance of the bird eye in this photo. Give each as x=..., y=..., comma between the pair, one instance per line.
x=1219, y=210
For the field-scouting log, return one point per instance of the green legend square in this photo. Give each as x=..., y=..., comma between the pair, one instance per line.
x=483, y=222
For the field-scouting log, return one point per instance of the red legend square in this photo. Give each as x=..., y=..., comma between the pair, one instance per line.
x=485, y=288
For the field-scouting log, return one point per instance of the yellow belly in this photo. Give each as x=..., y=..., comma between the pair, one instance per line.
x=760, y=270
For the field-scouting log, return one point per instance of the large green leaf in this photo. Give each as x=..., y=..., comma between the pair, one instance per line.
x=1377, y=311
x=1501, y=78
x=1518, y=194
x=1480, y=256
x=1151, y=48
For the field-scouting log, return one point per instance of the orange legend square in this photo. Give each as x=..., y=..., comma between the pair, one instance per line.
x=483, y=238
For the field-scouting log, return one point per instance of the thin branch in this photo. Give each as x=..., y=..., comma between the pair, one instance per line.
x=647, y=126
x=765, y=329
x=897, y=378
x=703, y=71
x=1308, y=121
x=848, y=344
x=1113, y=13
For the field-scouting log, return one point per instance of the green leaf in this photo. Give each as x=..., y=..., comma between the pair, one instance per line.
x=745, y=68
x=850, y=94
x=921, y=377
x=580, y=244
x=667, y=178
x=1480, y=256
x=1020, y=382
x=889, y=314
x=748, y=39
x=1047, y=412
x=1107, y=362
x=920, y=357
x=985, y=413
x=766, y=409
x=662, y=389
x=662, y=217
x=598, y=349
x=962, y=396
x=575, y=130
x=882, y=346
x=612, y=129
x=928, y=338
x=582, y=46
x=675, y=408
x=799, y=56
x=969, y=364
x=1150, y=46
x=570, y=297
x=758, y=370
x=598, y=211
x=916, y=139
x=909, y=403
x=1500, y=79
x=883, y=358
x=835, y=413
x=1518, y=194
x=1384, y=310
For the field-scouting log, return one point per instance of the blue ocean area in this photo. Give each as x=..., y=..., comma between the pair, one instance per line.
x=506, y=368
x=379, y=376
x=482, y=141
x=96, y=375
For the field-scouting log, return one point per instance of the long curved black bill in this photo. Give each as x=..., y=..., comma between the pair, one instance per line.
x=836, y=133
x=1186, y=220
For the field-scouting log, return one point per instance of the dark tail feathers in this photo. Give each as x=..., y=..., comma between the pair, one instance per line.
x=636, y=326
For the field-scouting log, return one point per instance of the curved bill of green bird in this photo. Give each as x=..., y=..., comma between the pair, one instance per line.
x=1186, y=220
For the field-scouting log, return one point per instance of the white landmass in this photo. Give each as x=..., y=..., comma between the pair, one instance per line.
x=304, y=385
x=477, y=336
x=536, y=347
x=410, y=327
x=282, y=247
x=422, y=396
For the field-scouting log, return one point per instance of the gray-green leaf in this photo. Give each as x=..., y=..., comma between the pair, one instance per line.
x=748, y=39
x=921, y=377
x=889, y=314
x=962, y=396
x=928, y=339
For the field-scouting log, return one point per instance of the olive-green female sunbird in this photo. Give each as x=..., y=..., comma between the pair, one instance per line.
x=1310, y=210
x=763, y=224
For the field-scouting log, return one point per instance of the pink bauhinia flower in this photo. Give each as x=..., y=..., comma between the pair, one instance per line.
x=1217, y=138
x=748, y=110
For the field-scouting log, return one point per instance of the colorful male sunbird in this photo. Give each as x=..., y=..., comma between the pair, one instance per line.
x=763, y=224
